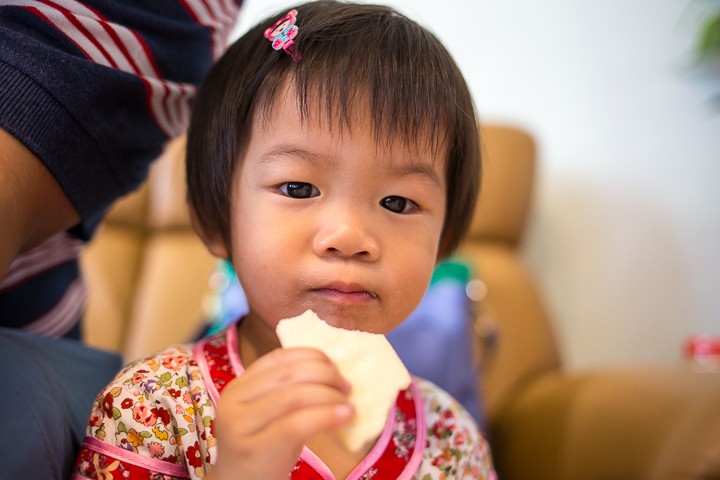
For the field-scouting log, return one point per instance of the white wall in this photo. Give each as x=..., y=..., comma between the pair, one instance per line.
x=625, y=234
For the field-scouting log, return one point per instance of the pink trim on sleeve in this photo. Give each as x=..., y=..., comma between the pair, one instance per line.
x=420, y=437
x=159, y=466
x=77, y=476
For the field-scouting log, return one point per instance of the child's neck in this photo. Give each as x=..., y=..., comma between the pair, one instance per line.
x=255, y=339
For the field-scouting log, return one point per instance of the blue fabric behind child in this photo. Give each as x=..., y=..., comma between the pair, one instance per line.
x=434, y=341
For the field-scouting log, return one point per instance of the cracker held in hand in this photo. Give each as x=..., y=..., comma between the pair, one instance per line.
x=366, y=360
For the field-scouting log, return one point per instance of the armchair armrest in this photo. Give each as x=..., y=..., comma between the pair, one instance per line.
x=640, y=424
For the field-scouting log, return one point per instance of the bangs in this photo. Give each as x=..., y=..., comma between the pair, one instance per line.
x=380, y=60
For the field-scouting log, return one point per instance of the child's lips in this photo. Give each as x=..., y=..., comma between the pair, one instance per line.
x=346, y=292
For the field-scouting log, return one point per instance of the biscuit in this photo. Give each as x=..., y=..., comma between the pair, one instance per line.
x=366, y=360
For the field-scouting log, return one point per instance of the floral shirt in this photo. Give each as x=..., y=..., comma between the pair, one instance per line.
x=157, y=421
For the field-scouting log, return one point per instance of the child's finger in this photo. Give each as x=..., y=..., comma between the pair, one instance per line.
x=278, y=446
x=287, y=355
x=261, y=412
x=306, y=366
x=303, y=424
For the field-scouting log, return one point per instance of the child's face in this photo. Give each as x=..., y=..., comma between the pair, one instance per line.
x=334, y=222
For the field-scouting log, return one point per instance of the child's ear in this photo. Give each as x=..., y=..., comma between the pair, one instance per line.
x=213, y=240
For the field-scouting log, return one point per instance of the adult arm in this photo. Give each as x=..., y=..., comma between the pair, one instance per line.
x=33, y=207
x=94, y=90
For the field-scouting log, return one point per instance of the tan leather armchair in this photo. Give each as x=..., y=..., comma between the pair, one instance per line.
x=148, y=275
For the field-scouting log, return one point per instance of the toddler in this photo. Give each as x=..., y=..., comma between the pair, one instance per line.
x=333, y=157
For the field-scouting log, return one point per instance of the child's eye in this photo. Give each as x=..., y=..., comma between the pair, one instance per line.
x=398, y=204
x=299, y=190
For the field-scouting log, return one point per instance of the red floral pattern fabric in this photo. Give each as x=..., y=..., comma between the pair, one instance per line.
x=157, y=421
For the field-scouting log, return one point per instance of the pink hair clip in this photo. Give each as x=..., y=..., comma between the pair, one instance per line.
x=282, y=33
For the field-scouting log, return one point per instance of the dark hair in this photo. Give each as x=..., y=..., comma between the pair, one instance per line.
x=350, y=53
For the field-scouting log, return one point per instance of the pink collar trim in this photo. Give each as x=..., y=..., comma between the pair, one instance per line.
x=230, y=354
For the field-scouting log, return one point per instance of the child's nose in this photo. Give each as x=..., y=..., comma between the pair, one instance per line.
x=346, y=237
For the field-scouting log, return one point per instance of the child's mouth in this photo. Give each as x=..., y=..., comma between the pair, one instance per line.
x=346, y=293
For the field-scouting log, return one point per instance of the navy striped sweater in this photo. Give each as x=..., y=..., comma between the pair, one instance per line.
x=95, y=89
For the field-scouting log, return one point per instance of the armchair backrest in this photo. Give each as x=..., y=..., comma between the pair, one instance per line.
x=515, y=337
x=146, y=270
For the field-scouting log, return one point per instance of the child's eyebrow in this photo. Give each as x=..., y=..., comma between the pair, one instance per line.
x=416, y=168
x=399, y=170
x=285, y=150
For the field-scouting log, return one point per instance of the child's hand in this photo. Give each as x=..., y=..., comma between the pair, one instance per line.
x=265, y=415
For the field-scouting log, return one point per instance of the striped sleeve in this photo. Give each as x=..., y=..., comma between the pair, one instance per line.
x=115, y=46
x=43, y=291
x=94, y=89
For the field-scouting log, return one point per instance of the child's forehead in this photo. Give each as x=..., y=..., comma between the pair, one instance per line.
x=343, y=118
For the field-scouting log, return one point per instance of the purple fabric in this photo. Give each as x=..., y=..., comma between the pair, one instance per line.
x=434, y=343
